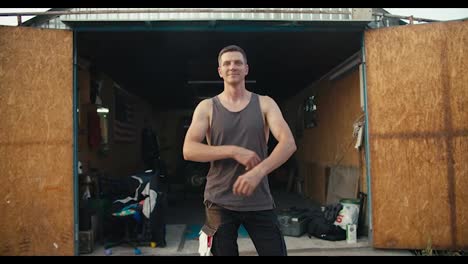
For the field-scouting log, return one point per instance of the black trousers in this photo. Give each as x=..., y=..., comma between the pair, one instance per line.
x=158, y=221
x=262, y=226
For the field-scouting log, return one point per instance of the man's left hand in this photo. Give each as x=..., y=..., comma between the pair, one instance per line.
x=246, y=184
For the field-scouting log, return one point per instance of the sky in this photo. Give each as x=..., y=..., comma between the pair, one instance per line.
x=12, y=20
x=431, y=13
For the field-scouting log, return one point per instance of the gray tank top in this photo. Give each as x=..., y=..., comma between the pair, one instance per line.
x=245, y=129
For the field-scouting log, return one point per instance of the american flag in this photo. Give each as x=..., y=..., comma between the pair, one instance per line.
x=124, y=121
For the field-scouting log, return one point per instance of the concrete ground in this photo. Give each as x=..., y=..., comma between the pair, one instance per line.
x=189, y=210
x=177, y=245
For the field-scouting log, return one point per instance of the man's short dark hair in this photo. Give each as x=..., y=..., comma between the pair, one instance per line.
x=232, y=48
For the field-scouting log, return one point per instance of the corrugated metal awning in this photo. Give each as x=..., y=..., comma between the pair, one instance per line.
x=61, y=19
x=193, y=14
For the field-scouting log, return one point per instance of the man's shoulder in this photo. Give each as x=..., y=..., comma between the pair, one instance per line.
x=266, y=101
x=205, y=105
x=206, y=102
x=264, y=97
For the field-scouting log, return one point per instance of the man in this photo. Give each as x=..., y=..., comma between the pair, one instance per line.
x=236, y=124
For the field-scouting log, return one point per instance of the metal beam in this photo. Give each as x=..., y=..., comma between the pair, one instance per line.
x=405, y=17
x=180, y=10
x=216, y=82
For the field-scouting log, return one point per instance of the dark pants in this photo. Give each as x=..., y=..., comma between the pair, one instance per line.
x=158, y=221
x=262, y=226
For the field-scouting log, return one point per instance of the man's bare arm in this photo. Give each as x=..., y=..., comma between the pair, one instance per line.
x=194, y=150
x=279, y=128
x=286, y=146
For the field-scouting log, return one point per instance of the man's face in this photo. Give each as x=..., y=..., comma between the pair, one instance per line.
x=232, y=67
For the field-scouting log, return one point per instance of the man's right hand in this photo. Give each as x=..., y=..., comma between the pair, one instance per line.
x=246, y=157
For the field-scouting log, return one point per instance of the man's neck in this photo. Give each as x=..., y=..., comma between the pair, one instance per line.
x=234, y=93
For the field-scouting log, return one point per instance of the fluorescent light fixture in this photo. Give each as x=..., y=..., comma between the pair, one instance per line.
x=103, y=110
x=216, y=82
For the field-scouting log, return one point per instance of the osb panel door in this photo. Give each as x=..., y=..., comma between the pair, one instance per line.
x=36, y=141
x=417, y=85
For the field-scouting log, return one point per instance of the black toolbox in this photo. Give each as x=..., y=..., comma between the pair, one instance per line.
x=293, y=221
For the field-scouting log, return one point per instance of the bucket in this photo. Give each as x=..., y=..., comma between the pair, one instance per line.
x=349, y=214
x=351, y=202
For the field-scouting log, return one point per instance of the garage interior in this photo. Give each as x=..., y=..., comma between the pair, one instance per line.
x=164, y=74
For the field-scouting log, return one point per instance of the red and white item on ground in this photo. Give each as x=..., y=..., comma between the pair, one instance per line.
x=205, y=243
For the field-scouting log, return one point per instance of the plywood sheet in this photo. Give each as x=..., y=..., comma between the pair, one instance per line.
x=316, y=182
x=416, y=84
x=36, y=141
x=37, y=194
x=338, y=107
x=405, y=92
x=455, y=69
x=460, y=148
x=410, y=205
x=343, y=183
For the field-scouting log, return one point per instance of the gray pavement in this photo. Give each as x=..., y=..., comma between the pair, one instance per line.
x=177, y=245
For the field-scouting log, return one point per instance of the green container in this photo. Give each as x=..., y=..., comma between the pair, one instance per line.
x=350, y=201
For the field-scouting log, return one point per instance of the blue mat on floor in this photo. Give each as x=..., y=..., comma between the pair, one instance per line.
x=192, y=232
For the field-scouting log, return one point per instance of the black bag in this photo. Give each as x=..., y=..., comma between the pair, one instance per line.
x=335, y=233
x=321, y=224
x=332, y=211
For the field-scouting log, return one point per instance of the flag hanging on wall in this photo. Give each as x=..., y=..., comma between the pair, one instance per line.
x=124, y=118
